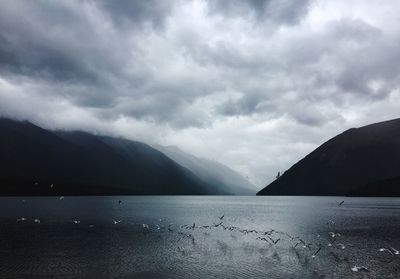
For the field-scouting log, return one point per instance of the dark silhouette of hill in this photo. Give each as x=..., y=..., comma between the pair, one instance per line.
x=347, y=162
x=382, y=188
x=79, y=163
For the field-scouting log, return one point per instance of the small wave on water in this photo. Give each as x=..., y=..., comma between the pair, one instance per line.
x=157, y=238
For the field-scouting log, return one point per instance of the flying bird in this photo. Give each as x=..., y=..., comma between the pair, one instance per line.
x=330, y=244
x=340, y=203
x=274, y=241
x=316, y=252
x=359, y=268
x=333, y=234
x=386, y=250
x=396, y=252
x=222, y=217
x=262, y=238
x=341, y=246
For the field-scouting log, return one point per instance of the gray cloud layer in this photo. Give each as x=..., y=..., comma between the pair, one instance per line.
x=253, y=84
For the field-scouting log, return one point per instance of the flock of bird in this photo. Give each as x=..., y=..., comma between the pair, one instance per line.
x=270, y=237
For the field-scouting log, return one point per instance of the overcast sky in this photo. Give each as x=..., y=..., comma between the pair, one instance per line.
x=253, y=84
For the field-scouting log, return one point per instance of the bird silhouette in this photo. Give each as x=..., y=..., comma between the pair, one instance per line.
x=316, y=252
x=217, y=225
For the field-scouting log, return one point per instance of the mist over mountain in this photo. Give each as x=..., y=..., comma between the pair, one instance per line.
x=220, y=176
x=360, y=161
x=36, y=161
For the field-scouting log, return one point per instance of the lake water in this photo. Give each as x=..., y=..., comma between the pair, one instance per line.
x=260, y=237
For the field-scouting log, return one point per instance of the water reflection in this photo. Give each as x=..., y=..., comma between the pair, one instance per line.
x=204, y=237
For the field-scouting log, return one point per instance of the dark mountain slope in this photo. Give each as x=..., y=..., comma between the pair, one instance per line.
x=389, y=187
x=81, y=163
x=219, y=175
x=346, y=162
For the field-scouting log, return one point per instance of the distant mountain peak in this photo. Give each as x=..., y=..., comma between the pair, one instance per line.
x=217, y=174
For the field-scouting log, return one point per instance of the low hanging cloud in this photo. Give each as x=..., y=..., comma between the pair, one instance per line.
x=253, y=84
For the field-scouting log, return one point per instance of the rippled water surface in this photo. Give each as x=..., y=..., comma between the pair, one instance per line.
x=199, y=237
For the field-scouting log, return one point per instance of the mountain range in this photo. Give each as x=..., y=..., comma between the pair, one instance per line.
x=36, y=161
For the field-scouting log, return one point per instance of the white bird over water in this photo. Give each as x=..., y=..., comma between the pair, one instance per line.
x=341, y=246
x=332, y=234
x=21, y=219
x=359, y=268
x=396, y=252
x=117, y=221
x=145, y=226
x=76, y=221
x=36, y=221
x=390, y=250
x=62, y=197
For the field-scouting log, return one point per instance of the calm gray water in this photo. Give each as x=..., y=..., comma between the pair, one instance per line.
x=178, y=243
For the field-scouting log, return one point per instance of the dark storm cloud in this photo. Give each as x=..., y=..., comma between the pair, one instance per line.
x=130, y=13
x=50, y=40
x=225, y=72
x=104, y=54
x=279, y=11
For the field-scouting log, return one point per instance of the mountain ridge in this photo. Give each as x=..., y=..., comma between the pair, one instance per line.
x=82, y=163
x=346, y=162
